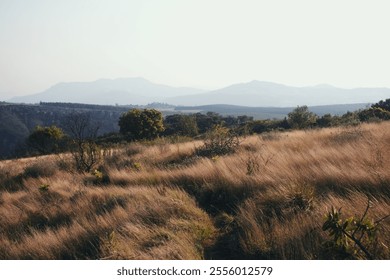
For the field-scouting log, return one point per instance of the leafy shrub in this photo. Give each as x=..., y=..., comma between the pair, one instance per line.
x=351, y=238
x=220, y=141
x=46, y=140
x=43, y=188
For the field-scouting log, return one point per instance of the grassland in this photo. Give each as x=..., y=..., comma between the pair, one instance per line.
x=161, y=201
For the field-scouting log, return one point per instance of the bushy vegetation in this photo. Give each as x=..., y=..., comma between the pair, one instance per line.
x=219, y=141
x=47, y=140
x=139, y=124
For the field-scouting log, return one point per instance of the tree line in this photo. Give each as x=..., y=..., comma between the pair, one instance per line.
x=148, y=124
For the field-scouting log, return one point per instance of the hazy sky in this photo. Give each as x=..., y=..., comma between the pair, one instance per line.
x=198, y=43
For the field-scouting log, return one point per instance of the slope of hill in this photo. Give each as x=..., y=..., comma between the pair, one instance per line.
x=265, y=94
x=162, y=201
x=107, y=92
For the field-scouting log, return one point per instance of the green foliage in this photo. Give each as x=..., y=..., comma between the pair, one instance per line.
x=137, y=166
x=207, y=121
x=219, y=141
x=43, y=188
x=139, y=124
x=301, y=118
x=183, y=125
x=348, y=119
x=261, y=126
x=374, y=114
x=383, y=104
x=100, y=177
x=46, y=139
x=326, y=120
x=350, y=238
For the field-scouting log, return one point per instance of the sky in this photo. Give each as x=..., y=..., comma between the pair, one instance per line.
x=205, y=44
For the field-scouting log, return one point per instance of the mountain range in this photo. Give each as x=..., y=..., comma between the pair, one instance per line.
x=138, y=91
x=124, y=91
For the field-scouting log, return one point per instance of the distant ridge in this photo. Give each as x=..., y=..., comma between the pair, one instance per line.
x=267, y=94
x=139, y=91
x=270, y=112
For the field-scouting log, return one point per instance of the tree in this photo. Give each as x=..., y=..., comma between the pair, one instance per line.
x=139, y=124
x=301, y=118
x=80, y=126
x=207, y=121
x=46, y=139
x=178, y=124
x=83, y=131
x=383, y=104
x=378, y=111
x=326, y=120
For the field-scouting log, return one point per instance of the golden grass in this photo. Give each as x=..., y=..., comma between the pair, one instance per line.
x=163, y=202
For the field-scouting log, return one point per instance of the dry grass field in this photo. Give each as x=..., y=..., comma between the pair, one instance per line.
x=268, y=200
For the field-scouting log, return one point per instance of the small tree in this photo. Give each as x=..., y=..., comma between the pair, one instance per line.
x=139, y=124
x=46, y=140
x=301, y=118
x=86, y=153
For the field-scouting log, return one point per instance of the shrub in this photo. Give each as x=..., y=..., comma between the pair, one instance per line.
x=351, y=238
x=101, y=177
x=46, y=140
x=300, y=197
x=220, y=141
x=86, y=155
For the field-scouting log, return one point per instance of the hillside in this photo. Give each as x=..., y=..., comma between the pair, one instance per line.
x=159, y=200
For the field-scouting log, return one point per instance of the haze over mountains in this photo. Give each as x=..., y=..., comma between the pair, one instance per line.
x=139, y=91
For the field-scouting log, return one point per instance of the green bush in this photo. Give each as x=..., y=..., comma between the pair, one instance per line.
x=219, y=141
x=139, y=124
x=351, y=238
